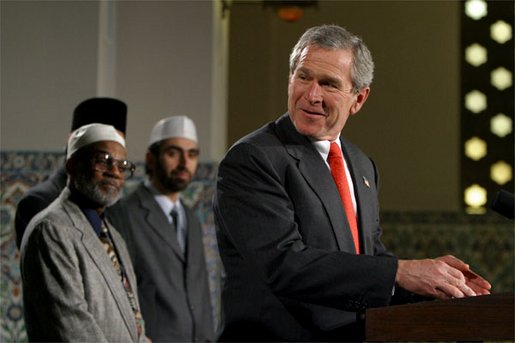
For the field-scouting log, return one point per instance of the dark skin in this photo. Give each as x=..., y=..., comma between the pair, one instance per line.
x=109, y=181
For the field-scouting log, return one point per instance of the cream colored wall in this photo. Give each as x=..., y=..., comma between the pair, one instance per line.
x=157, y=56
x=48, y=64
x=409, y=125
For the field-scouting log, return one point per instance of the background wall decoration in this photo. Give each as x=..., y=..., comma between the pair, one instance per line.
x=486, y=242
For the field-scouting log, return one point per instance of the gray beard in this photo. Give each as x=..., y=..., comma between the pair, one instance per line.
x=93, y=192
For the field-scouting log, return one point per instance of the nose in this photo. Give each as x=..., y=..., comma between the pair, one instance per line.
x=313, y=93
x=182, y=158
x=114, y=171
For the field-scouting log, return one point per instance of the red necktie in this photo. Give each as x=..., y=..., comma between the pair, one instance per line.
x=337, y=165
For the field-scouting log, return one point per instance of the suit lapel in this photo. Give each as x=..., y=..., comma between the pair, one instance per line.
x=318, y=176
x=157, y=220
x=98, y=255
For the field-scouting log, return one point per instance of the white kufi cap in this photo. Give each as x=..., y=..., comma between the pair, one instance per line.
x=92, y=133
x=173, y=127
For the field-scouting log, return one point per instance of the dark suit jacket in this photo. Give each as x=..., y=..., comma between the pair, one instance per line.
x=173, y=289
x=37, y=199
x=40, y=196
x=292, y=273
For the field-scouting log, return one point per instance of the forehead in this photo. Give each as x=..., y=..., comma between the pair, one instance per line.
x=115, y=149
x=184, y=143
x=322, y=60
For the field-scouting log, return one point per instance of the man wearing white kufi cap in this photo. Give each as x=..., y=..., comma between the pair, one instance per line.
x=102, y=110
x=165, y=241
x=78, y=280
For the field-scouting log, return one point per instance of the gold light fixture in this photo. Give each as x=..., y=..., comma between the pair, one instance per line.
x=475, y=197
x=476, y=55
x=476, y=9
x=501, y=31
x=475, y=148
x=289, y=10
x=501, y=172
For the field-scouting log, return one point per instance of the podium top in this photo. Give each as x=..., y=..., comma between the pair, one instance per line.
x=486, y=317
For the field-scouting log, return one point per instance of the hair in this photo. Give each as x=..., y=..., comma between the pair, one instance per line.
x=334, y=37
x=154, y=149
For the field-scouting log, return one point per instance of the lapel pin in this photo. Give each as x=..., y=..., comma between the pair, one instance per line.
x=365, y=181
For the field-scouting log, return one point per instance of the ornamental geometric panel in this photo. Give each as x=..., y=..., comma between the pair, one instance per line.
x=487, y=112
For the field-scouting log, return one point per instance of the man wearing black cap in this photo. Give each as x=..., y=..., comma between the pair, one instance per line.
x=94, y=110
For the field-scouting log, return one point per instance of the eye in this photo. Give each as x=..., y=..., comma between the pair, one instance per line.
x=194, y=153
x=172, y=152
x=302, y=76
x=123, y=165
x=329, y=84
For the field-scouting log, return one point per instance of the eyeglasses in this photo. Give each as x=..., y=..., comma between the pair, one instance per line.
x=104, y=162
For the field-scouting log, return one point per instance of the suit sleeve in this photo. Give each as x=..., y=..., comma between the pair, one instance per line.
x=53, y=288
x=27, y=208
x=257, y=220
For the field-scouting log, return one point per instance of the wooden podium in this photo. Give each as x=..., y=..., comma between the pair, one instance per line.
x=481, y=318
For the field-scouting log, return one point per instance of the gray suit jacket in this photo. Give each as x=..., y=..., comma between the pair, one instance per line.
x=173, y=289
x=71, y=292
x=292, y=273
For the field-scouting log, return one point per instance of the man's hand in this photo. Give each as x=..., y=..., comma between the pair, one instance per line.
x=444, y=277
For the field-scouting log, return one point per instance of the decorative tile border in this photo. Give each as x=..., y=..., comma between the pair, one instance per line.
x=486, y=242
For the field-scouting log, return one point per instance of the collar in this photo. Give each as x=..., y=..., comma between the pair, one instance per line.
x=324, y=146
x=88, y=209
x=164, y=202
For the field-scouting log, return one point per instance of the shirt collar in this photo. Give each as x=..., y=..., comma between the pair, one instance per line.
x=164, y=202
x=88, y=209
x=94, y=219
x=324, y=146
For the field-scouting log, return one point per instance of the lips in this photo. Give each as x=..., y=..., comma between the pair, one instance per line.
x=313, y=112
x=109, y=184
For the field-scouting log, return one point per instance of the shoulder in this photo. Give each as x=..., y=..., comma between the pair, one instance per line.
x=41, y=194
x=53, y=224
x=134, y=198
x=260, y=145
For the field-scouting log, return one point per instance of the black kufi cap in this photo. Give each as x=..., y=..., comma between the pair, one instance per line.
x=101, y=110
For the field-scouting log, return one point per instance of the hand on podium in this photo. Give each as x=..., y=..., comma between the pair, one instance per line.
x=443, y=278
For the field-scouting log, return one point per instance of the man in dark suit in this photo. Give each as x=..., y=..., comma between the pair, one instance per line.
x=297, y=268
x=94, y=110
x=165, y=240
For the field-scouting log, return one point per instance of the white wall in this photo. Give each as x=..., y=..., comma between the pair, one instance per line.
x=157, y=56
x=49, y=63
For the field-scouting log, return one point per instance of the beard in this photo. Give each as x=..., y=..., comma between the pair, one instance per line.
x=103, y=192
x=172, y=182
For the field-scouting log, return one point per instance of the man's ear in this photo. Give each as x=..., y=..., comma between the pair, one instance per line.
x=150, y=161
x=361, y=98
x=69, y=166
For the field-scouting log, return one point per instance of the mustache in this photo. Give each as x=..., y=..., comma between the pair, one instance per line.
x=178, y=170
x=111, y=182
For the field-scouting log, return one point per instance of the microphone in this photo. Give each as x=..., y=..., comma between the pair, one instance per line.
x=504, y=204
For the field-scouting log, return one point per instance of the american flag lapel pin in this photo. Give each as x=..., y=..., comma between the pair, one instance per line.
x=365, y=181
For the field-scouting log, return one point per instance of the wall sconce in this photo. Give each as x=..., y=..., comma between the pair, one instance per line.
x=289, y=10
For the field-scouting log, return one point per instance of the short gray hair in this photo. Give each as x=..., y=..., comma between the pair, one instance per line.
x=334, y=37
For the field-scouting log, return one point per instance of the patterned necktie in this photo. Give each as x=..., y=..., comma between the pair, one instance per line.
x=181, y=235
x=337, y=165
x=107, y=243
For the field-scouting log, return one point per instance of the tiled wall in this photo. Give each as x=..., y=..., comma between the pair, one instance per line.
x=485, y=242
